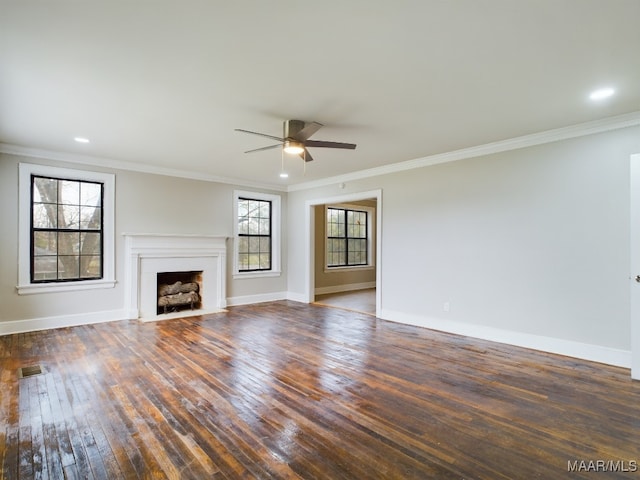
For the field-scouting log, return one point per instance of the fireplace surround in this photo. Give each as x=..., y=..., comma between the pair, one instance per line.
x=147, y=255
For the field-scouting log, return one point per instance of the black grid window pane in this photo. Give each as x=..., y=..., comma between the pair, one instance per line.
x=347, y=237
x=66, y=230
x=254, y=235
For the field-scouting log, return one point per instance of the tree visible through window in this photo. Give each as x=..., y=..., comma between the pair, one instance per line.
x=254, y=235
x=346, y=237
x=66, y=230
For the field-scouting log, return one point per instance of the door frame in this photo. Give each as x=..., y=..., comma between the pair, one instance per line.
x=310, y=239
x=634, y=286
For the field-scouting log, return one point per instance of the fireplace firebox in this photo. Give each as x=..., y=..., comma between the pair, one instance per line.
x=179, y=291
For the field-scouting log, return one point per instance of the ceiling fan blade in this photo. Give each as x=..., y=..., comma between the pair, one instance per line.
x=322, y=143
x=264, y=148
x=306, y=156
x=260, y=134
x=308, y=130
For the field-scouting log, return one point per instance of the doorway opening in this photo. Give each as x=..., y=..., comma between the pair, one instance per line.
x=344, y=261
x=634, y=276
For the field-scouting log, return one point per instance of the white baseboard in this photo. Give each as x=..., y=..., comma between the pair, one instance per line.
x=260, y=298
x=349, y=287
x=46, y=323
x=594, y=353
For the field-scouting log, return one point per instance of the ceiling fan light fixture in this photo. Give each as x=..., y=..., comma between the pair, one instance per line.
x=293, y=147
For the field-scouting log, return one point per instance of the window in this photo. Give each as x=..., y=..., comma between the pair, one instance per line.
x=347, y=237
x=254, y=230
x=66, y=229
x=257, y=237
x=66, y=222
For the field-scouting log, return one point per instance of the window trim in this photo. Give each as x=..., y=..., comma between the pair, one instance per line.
x=371, y=219
x=276, y=226
x=25, y=286
x=249, y=236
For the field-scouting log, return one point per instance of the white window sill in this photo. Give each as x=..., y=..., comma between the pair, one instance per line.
x=270, y=273
x=64, y=286
x=349, y=268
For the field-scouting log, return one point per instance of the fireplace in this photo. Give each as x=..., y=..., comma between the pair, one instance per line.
x=199, y=259
x=178, y=291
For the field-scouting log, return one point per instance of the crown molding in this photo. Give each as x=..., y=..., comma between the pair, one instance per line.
x=131, y=166
x=549, y=136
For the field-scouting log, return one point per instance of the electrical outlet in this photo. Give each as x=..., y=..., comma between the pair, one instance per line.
x=446, y=307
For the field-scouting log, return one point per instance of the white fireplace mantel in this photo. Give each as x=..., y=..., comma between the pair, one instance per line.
x=146, y=255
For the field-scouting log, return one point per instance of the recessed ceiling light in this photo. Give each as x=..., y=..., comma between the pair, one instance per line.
x=602, y=93
x=284, y=175
x=81, y=140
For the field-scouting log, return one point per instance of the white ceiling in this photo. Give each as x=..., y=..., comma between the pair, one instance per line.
x=163, y=84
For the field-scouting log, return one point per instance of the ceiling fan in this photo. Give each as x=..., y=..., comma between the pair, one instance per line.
x=295, y=139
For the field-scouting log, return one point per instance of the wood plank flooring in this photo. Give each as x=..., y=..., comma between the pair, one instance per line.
x=287, y=390
x=362, y=301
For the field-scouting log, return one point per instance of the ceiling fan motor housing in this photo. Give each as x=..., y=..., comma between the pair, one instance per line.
x=291, y=128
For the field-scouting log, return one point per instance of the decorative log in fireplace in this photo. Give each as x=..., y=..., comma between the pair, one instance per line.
x=178, y=290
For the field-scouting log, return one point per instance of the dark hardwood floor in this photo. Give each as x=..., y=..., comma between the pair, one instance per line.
x=288, y=390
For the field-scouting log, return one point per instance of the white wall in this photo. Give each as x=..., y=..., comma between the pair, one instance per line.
x=529, y=246
x=145, y=203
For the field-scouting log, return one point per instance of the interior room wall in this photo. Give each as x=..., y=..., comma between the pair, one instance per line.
x=531, y=243
x=145, y=203
x=331, y=281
